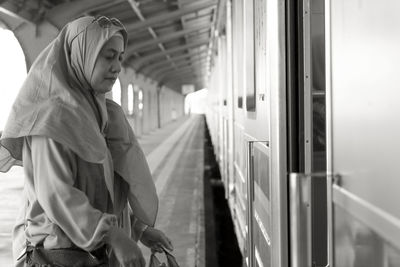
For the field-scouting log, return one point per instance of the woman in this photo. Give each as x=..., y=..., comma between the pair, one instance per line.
x=88, y=194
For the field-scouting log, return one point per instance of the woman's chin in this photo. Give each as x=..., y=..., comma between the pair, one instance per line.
x=103, y=89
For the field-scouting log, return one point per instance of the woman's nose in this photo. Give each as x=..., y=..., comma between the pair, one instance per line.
x=116, y=66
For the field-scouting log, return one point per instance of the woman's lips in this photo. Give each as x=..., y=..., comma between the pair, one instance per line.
x=111, y=79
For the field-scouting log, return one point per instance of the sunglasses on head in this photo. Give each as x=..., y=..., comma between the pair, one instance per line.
x=105, y=22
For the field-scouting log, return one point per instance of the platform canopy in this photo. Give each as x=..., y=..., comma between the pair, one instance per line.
x=170, y=41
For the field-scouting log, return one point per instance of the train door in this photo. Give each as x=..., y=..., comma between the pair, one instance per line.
x=225, y=90
x=363, y=52
x=238, y=198
x=309, y=209
x=260, y=230
x=225, y=151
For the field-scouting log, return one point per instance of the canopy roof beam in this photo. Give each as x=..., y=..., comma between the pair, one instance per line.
x=179, y=71
x=171, y=15
x=165, y=38
x=141, y=61
x=17, y=11
x=63, y=13
x=151, y=67
x=182, y=64
x=137, y=11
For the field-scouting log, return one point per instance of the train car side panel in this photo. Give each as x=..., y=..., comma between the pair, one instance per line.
x=365, y=58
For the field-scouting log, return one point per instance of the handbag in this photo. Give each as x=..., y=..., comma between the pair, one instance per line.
x=155, y=262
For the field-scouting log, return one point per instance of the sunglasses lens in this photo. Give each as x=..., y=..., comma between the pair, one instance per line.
x=116, y=22
x=105, y=22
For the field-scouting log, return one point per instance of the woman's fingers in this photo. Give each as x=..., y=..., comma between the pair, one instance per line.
x=157, y=248
x=156, y=239
x=166, y=242
x=171, y=247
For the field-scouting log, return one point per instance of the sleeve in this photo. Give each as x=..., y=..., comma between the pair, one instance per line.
x=65, y=205
x=138, y=228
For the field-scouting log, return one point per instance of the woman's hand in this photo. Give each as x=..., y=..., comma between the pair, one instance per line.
x=155, y=240
x=125, y=249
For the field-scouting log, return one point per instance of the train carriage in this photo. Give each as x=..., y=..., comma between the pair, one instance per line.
x=309, y=118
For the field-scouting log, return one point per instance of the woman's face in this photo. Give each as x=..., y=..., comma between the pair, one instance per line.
x=108, y=65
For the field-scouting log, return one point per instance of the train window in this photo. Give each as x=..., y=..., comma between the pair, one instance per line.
x=318, y=123
x=261, y=172
x=249, y=55
x=317, y=62
x=237, y=46
x=250, y=99
x=317, y=42
x=260, y=49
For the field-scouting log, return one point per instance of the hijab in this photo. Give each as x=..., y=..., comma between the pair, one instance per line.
x=57, y=101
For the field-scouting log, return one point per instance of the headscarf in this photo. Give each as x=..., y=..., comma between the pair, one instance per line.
x=130, y=164
x=57, y=101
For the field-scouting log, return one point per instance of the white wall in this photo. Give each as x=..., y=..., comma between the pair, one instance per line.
x=147, y=120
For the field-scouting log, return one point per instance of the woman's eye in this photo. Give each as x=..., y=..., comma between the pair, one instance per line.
x=110, y=56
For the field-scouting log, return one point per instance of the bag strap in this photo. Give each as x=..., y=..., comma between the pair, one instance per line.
x=155, y=262
x=171, y=259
